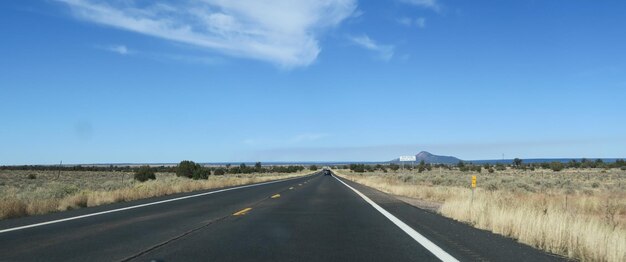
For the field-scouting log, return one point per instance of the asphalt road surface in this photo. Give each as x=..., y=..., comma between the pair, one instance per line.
x=313, y=218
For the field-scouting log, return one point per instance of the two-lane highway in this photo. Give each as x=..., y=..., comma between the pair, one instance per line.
x=316, y=221
x=313, y=218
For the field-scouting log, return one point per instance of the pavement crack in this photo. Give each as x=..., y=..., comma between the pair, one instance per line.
x=172, y=239
x=191, y=231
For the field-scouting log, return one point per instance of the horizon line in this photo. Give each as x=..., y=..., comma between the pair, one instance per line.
x=301, y=162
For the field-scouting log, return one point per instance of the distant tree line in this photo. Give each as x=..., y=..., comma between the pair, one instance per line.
x=194, y=170
x=572, y=164
x=190, y=169
x=463, y=166
x=519, y=164
x=185, y=168
x=126, y=168
x=361, y=168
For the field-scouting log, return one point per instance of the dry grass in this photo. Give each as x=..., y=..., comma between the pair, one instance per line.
x=20, y=196
x=580, y=214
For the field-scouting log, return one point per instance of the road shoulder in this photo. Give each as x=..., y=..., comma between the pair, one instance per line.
x=459, y=239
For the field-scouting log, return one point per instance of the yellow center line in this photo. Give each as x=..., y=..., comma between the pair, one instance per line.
x=242, y=212
x=276, y=196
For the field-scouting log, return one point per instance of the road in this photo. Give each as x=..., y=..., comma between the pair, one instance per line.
x=312, y=218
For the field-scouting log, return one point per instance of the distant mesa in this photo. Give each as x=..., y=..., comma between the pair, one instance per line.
x=433, y=159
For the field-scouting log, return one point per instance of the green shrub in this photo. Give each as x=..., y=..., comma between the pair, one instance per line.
x=219, y=172
x=193, y=170
x=359, y=168
x=32, y=176
x=201, y=173
x=144, y=173
x=421, y=167
x=313, y=167
x=556, y=166
x=187, y=168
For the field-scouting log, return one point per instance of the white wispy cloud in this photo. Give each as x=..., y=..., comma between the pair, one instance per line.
x=405, y=21
x=191, y=59
x=430, y=4
x=120, y=49
x=282, y=32
x=159, y=56
x=418, y=22
x=357, y=13
x=384, y=52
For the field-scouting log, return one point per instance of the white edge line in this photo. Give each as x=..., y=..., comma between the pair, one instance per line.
x=138, y=206
x=436, y=250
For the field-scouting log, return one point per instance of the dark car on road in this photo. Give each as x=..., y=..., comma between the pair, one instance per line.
x=327, y=172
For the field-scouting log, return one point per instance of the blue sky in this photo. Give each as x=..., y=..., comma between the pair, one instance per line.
x=88, y=81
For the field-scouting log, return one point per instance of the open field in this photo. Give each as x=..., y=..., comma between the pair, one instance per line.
x=47, y=192
x=578, y=213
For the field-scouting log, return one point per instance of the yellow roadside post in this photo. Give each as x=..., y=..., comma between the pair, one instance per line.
x=473, y=187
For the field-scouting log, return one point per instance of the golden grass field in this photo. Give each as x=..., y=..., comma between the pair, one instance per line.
x=21, y=196
x=577, y=213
